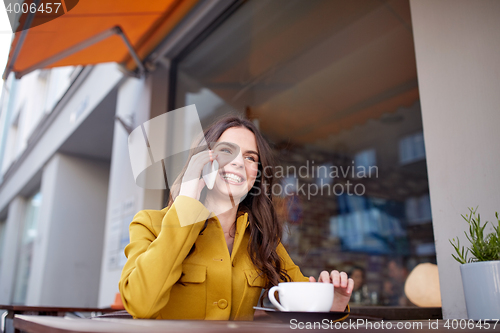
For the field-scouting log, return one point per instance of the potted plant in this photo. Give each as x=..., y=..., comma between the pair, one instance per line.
x=481, y=271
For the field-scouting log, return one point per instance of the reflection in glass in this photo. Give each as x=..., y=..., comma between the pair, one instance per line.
x=333, y=85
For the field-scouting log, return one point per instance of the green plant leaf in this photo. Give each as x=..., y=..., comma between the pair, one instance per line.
x=482, y=247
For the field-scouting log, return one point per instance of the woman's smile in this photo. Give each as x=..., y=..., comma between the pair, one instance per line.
x=232, y=178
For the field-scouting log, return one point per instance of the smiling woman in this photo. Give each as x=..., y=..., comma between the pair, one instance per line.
x=210, y=252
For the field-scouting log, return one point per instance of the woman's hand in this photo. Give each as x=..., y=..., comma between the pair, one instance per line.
x=192, y=182
x=342, y=288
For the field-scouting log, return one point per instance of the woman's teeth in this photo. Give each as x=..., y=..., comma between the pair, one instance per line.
x=230, y=176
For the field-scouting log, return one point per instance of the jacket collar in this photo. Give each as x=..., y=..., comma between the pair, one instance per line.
x=241, y=218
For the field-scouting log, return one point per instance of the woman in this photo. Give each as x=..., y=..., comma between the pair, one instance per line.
x=209, y=253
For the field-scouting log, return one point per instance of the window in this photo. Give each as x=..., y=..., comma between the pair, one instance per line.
x=333, y=87
x=12, y=142
x=59, y=80
x=365, y=162
x=418, y=209
x=2, y=239
x=30, y=231
x=411, y=148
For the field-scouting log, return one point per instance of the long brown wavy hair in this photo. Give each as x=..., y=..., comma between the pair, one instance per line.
x=265, y=226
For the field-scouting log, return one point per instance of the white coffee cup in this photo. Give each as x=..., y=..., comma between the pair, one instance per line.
x=303, y=296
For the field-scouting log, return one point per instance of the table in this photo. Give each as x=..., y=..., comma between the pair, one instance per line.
x=38, y=324
x=398, y=312
x=13, y=310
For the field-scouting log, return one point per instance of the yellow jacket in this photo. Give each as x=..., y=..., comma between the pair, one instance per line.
x=158, y=281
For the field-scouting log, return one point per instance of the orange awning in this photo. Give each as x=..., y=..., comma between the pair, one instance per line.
x=144, y=23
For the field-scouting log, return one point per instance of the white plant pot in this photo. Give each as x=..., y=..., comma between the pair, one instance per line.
x=481, y=282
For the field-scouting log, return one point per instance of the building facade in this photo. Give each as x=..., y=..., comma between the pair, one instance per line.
x=376, y=111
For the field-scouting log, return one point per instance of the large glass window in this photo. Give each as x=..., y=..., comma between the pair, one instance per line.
x=30, y=230
x=333, y=85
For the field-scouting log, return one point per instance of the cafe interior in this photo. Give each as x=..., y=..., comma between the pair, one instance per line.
x=334, y=88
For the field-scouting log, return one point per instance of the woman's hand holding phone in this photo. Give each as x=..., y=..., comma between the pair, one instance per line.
x=192, y=182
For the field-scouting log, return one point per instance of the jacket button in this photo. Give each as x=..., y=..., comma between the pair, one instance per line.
x=222, y=303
